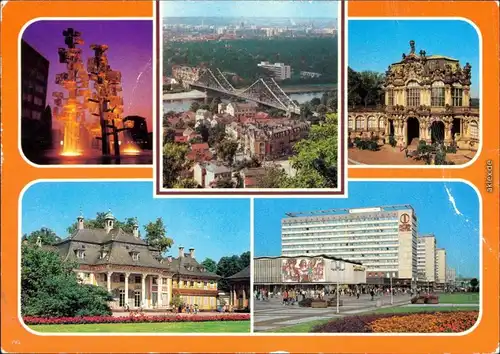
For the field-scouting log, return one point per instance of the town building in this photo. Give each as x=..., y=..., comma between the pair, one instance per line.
x=273, y=140
x=207, y=173
x=440, y=267
x=305, y=271
x=426, y=97
x=240, y=110
x=203, y=117
x=451, y=276
x=185, y=74
x=134, y=272
x=279, y=71
x=239, y=293
x=426, y=258
x=383, y=239
x=309, y=75
x=36, y=117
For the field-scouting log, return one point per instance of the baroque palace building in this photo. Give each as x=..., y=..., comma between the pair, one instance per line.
x=427, y=97
x=134, y=272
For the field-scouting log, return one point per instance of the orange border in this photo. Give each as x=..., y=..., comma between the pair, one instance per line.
x=17, y=173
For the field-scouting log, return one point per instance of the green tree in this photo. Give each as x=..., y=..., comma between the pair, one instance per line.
x=224, y=183
x=474, y=284
x=332, y=103
x=175, y=162
x=169, y=136
x=226, y=267
x=205, y=106
x=216, y=134
x=194, y=106
x=316, y=157
x=50, y=287
x=226, y=150
x=321, y=109
x=46, y=235
x=273, y=177
x=353, y=87
x=156, y=235
x=245, y=259
x=214, y=105
x=315, y=102
x=210, y=265
x=204, y=132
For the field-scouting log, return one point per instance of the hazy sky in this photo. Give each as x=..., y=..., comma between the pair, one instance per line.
x=238, y=8
x=214, y=227
x=130, y=51
x=455, y=224
x=375, y=44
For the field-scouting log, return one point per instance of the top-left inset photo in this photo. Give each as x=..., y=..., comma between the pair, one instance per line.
x=86, y=92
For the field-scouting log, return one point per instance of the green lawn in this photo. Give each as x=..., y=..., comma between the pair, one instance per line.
x=459, y=298
x=166, y=327
x=307, y=326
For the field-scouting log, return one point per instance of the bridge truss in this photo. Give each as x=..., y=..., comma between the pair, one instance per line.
x=264, y=91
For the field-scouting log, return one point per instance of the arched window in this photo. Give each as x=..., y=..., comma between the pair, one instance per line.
x=349, y=124
x=372, y=123
x=381, y=123
x=360, y=123
x=437, y=94
x=474, y=130
x=413, y=94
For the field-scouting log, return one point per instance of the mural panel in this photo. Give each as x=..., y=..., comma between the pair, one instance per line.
x=302, y=270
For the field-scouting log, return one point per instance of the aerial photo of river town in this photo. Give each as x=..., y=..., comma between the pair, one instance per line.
x=250, y=94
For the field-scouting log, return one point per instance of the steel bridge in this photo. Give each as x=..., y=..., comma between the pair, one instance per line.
x=264, y=91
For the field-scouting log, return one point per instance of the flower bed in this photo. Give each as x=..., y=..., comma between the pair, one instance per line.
x=135, y=319
x=434, y=322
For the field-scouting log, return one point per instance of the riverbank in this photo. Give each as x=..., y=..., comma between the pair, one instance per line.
x=309, y=88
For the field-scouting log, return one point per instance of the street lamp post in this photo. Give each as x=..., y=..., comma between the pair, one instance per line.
x=390, y=276
x=338, y=266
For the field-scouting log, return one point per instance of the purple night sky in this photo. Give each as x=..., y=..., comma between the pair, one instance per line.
x=130, y=51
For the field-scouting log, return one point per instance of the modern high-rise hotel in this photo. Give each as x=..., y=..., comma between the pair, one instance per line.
x=384, y=239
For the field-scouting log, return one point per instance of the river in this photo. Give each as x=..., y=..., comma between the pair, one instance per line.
x=183, y=105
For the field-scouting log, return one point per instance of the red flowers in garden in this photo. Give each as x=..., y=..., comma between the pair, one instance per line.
x=135, y=319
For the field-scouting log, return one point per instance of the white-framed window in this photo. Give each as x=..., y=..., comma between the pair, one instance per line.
x=381, y=123
x=437, y=94
x=135, y=256
x=474, y=130
x=349, y=124
x=457, y=96
x=413, y=94
x=122, y=297
x=80, y=254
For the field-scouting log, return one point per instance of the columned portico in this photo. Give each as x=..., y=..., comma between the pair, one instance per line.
x=143, y=290
x=108, y=280
x=160, y=290
x=126, y=288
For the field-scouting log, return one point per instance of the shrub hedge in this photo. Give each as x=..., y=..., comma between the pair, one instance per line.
x=135, y=319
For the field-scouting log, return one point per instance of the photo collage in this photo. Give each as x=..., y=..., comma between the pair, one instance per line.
x=278, y=173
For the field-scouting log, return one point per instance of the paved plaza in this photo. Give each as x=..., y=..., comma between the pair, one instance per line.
x=272, y=314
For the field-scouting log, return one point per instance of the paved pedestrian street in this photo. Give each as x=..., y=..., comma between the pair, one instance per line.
x=272, y=314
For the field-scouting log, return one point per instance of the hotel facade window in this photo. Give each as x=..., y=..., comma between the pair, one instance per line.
x=372, y=123
x=413, y=95
x=437, y=95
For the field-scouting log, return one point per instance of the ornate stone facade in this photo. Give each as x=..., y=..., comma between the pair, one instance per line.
x=426, y=98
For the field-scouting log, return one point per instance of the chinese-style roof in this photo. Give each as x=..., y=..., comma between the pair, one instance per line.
x=243, y=274
x=188, y=266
